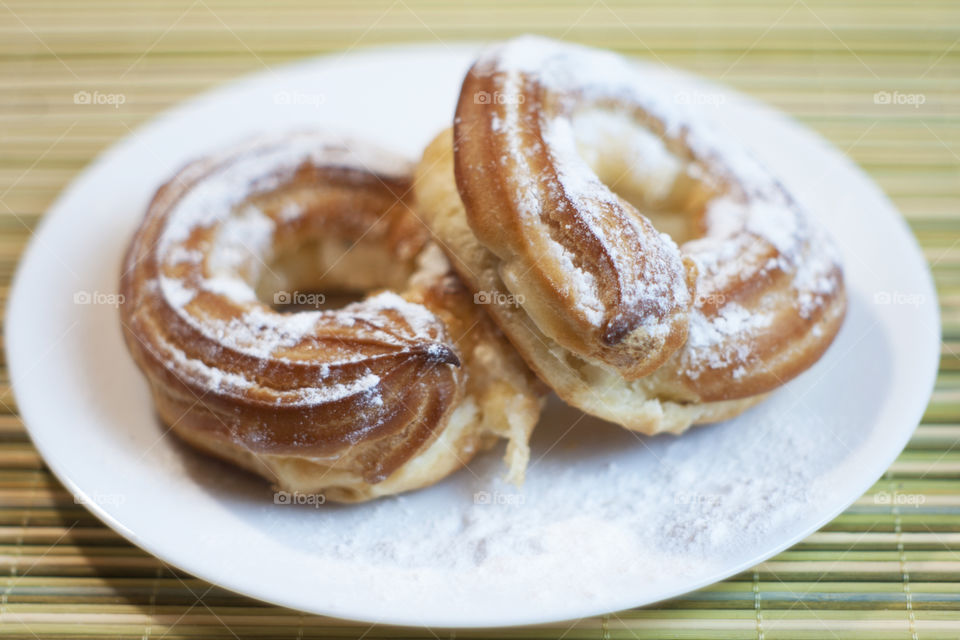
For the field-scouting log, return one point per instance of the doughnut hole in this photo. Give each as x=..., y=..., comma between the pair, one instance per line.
x=301, y=250
x=326, y=273
x=635, y=163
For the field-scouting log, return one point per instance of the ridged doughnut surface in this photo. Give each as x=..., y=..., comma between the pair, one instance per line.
x=595, y=275
x=379, y=396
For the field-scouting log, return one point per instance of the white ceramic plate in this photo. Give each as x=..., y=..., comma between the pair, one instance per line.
x=607, y=519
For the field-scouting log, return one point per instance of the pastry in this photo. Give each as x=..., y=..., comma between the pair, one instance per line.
x=548, y=194
x=389, y=393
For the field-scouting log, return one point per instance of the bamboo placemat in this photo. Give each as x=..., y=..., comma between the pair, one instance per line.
x=881, y=80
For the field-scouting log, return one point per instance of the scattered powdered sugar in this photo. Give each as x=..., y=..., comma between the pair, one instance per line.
x=517, y=158
x=210, y=377
x=584, y=290
x=723, y=339
x=818, y=277
x=367, y=385
x=420, y=319
x=601, y=507
x=767, y=220
x=290, y=211
x=732, y=319
x=243, y=243
x=176, y=293
x=575, y=175
x=659, y=289
x=180, y=255
x=236, y=289
x=261, y=333
x=260, y=165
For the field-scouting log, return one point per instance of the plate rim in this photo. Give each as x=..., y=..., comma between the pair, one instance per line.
x=17, y=293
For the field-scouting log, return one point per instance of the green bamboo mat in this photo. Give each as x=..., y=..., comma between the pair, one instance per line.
x=877, y=571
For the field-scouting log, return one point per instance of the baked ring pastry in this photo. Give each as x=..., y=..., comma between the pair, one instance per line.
x=384, y=395
x=611, y=313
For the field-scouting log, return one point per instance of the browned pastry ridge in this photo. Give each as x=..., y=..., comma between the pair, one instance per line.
x=543, y=196
x=380, y=396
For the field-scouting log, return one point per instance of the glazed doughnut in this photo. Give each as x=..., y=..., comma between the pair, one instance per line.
x=386, y=394
x=609, y=311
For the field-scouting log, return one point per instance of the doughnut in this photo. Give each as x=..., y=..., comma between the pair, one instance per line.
x=562, y=192
x=391, y=392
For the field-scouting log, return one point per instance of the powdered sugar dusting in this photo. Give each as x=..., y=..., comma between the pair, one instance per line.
x=655, y=293
x=659, y=288
x=722, y=339
x=242, y=245
x=235, y=289
x=420, y=320
x=176, y=292
x=661, y=511
x=599, y=94
x=597, y=76
x=239, y=247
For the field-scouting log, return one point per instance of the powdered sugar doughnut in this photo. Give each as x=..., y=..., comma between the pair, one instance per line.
x=561, y=157
x=383, y=395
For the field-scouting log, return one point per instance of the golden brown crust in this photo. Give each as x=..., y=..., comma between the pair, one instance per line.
x=523, y=209
x=340, y=401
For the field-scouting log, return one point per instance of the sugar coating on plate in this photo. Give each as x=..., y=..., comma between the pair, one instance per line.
x=609, y=521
